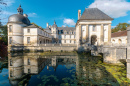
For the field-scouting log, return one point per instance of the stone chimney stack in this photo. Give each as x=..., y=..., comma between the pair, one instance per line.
x=79, y=14
x=25, y=15
x=47, y=24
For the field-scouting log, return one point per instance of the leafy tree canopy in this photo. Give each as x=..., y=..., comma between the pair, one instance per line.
x=121, y=27
x=3, y=34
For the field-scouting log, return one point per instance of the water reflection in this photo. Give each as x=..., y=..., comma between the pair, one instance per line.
x=22, y=66
x=36, y=69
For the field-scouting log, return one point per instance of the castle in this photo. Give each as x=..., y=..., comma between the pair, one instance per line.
x=93, y=27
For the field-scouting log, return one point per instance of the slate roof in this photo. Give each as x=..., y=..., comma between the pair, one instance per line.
x=94, y=14
x=48, y=30
x=119, y=34
x=67, y=28
x=32, y=26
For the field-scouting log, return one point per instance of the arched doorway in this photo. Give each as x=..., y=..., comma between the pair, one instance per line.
x=93, y=39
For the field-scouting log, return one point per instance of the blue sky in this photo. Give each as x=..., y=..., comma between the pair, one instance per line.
x=65, y=12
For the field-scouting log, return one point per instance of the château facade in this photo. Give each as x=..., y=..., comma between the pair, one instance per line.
x=93, y=27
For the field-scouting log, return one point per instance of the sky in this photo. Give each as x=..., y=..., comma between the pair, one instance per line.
x=65, y=12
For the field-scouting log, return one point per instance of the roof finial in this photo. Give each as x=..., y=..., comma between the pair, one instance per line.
x=20, y=5
x=54, y=21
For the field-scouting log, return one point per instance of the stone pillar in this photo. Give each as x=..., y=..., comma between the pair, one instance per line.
x=102, y=34
x=128, y=52
x=87, y=33
x=109, y=33
x=80, y=34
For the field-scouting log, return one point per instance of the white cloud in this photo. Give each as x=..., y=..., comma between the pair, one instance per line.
x=8, y=2
x=32, y=15
x=128, y=21
x=114, y=8
x=69, y=22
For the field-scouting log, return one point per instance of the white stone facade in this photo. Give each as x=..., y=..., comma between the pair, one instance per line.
x=94, y=31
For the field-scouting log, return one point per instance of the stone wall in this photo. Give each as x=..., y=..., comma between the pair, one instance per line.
x=114, y=54
x=46, y=47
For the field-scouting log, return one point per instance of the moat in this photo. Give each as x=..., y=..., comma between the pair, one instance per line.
x=59, y=69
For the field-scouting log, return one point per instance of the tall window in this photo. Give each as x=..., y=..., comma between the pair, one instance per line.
x=59, y=36
x=64, y=41
x=28, y=40
x=74, y=41
x=10, y=40
x=11, y=73
x=94, y=28
x=28, y=61
x=67, y=32
x=65, y=36
x=70, y=41
x=74, y=36
x=74, y=32
x=59, y=41
x=70, y=36
x=29, y=71
x=10, y=28
x=11, y=63
x=28, y=31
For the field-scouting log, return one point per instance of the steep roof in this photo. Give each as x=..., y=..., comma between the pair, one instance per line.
x=119, y=34
x=31, y=26
x=94, y=14
x=66, y=28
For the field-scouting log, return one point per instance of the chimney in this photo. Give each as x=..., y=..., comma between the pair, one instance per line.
x=79, y=14
x=47, y=24
x=25, y=15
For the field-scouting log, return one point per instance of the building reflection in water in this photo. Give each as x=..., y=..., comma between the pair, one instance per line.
x=22, y=66
x=88, y=71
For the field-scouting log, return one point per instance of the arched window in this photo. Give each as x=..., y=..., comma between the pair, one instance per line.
x=119, y=41
x=113, y=40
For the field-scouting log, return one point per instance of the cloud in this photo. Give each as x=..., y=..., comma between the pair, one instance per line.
x=69, y=22
x=8, y=2
x=32, y=15
x=114, y=8
x=128, y=21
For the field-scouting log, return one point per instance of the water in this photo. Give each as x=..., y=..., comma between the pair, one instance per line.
x=59, y=69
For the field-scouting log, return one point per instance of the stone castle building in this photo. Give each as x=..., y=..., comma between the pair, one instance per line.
x=93, y=27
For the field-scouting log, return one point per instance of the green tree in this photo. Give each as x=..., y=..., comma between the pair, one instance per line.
x=121, y=27
x=3, y=34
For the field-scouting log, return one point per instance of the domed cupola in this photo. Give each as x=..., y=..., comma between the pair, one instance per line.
x=19, y=18
x=54, y=25
x=20, y=10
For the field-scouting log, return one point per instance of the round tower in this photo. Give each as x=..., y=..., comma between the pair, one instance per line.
x=15, y=24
